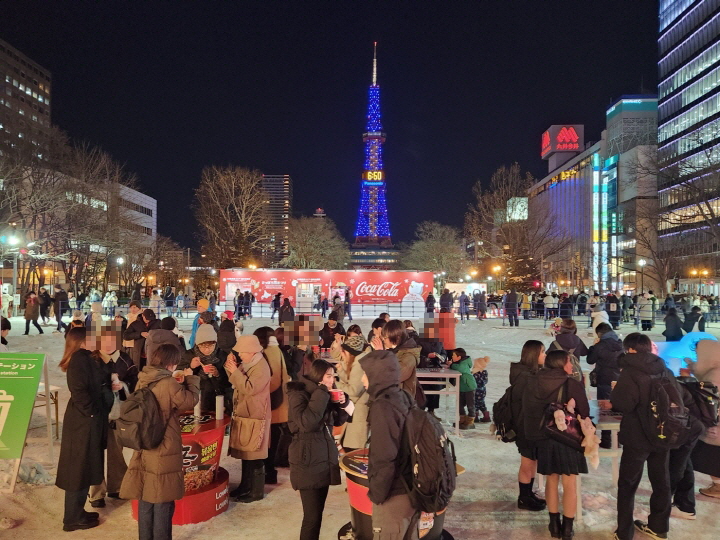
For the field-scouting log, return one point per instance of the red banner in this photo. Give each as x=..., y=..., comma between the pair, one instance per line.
x=366, y=286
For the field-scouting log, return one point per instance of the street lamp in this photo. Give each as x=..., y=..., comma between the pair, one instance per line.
x=496, y=270
x=642, y=263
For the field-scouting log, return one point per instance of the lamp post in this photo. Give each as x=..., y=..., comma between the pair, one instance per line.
x=496, y=270
x=642, y=263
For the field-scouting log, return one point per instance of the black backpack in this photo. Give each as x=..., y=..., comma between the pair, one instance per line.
x=502, y=418
x=706, y=399
x=666, y=421
x=428, y=472
x=141, y=425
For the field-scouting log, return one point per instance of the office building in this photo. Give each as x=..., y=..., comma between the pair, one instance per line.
x=24, y=98
x=689, y=133
x=278, y=189
x=600, y=194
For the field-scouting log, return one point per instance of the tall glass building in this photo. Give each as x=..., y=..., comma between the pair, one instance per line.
x=689, y=129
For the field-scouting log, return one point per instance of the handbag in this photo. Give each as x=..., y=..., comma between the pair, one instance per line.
x=572, y=435
x=246, y=434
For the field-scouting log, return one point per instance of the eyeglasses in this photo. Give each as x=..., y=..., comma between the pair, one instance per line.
x=207, y=345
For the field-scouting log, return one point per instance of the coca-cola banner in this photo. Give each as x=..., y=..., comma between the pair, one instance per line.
x=366, y=286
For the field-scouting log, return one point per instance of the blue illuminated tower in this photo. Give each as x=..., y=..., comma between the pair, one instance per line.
x=373, y=228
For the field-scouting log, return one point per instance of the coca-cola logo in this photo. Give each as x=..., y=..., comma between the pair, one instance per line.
x=388, y=288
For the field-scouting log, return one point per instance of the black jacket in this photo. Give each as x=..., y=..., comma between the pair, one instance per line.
x=313, y=455
x=570, y=342
x=605, y=354
x=673, y=328
x=542, y=389
x=61, y=300
x=126, y=372
x=690, y=320
x=389, y=406
x=327, y=334
x=631, y=396
x=134, y=332
x=85, y=424
x=428, y=346
x=210, y=386
x=286, y=313
x=519, y=376
x=446, y=301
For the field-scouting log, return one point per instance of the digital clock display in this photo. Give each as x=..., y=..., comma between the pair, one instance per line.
x=373, y=175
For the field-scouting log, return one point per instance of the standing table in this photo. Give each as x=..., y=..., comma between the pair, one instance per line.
x=355, y=465
x=426, y=377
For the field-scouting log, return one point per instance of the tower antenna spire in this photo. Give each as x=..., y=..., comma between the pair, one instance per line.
x=375, y=65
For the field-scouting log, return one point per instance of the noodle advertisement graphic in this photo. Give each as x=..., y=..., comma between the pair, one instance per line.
x=19, y=380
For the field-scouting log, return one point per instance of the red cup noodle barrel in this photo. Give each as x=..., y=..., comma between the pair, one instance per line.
x=206, y=483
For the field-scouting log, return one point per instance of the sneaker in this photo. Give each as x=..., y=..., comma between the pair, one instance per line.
x=676, y=512
x=711, y=491
x=643, y=528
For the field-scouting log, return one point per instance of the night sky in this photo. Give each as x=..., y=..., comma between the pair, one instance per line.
x=169, y=88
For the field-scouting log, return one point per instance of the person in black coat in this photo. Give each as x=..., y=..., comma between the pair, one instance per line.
x=556, y=460
x=275, y=305
x=430, y=303
x=631, y=396
x=532, y=359
x=85, y=426
x=446, y=301
x=695, y=316
x=121, y=368
x=392, y=512
x=673, y=326
x=331, y=327
x=286, y=313
x=614, y=309
x=138, y=331
x=605, y=354
x=569, y=341
x=313, y=455
x=206, y=362
x=432, y=355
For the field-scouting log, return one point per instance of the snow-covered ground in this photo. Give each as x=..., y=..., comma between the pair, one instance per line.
x=484, y=504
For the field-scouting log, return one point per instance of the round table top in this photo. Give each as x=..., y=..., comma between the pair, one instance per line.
x=355, y=463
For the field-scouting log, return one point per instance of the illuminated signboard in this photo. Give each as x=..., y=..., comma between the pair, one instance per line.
x=373, y=176
x=561, y=138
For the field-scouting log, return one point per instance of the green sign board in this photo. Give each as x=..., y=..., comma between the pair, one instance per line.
x=19, y=380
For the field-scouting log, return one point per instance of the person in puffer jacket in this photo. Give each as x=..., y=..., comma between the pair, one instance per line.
x=313, y=455
x=393, y=516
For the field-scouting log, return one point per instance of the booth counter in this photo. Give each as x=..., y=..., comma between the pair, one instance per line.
x=206, y=483
x=355, y=464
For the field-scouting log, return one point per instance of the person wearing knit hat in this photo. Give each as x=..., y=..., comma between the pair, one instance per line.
x=206, y=361
x=479, y=371
x=251, y=416
x=350, y=376
x=202, y=306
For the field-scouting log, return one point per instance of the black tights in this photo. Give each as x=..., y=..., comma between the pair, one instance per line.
x=313, y=502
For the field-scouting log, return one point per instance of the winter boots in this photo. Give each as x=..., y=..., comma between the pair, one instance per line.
x=467, y=422
x=485, y=418
x=555, y=526
x=252, y=483
x=528, y=500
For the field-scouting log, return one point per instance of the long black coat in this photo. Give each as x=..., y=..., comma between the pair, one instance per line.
x=313, y=456
x=519, y=376
x=85, y=424
x=605, y=354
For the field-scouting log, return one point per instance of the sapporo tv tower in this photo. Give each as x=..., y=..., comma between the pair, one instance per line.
x=373, y=228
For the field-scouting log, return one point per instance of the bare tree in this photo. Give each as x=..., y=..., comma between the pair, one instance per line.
x=315, y=243
x=500, y=222
x=231, y=210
